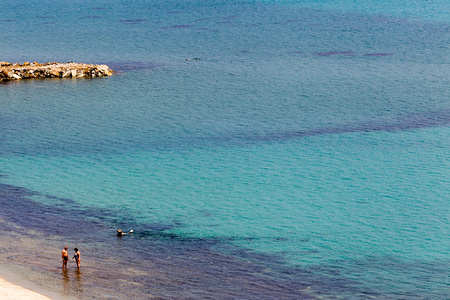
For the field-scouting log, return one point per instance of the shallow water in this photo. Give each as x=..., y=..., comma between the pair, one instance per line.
x=302, y=155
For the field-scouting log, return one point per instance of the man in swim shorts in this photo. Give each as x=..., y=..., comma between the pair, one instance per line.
x=65, y=258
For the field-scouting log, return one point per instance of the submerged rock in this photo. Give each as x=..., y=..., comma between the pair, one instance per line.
x=27, y=70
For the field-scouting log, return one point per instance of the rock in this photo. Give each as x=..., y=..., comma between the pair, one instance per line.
x=54, y=73
x=15, y=76
x=106, y=71
x=51, y=70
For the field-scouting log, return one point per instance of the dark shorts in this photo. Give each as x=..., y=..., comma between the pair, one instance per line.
x=65, y=258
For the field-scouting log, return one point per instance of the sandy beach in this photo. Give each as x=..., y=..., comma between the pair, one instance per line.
x=10, y=291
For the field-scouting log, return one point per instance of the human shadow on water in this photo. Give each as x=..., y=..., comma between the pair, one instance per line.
x=71, y=280
x=78, y=280
x=65, y=279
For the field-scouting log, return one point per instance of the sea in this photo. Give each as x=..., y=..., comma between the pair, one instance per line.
x=257, y=149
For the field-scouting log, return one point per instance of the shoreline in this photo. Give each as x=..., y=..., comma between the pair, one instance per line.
x=170, y=267
x=26, y=281
x=12, y=291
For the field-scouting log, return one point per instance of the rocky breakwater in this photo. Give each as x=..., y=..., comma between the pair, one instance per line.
x=27, y=70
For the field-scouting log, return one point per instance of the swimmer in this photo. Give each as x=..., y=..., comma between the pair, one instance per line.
x=121, y=233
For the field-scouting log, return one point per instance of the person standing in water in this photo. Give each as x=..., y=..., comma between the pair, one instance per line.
x=65, y=258
x=77, y=257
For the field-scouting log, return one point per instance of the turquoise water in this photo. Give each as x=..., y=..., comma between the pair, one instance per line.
x=309, y=139
x=411, y=9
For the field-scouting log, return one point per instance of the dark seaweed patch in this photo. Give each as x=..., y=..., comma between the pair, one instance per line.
x=47, y=23
x=332, y=53
x=406, y=122
x=93, y=17
x=379, y=54
x=131, y=66
x=175, y=27
x=181, y=26
x=133, y=21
